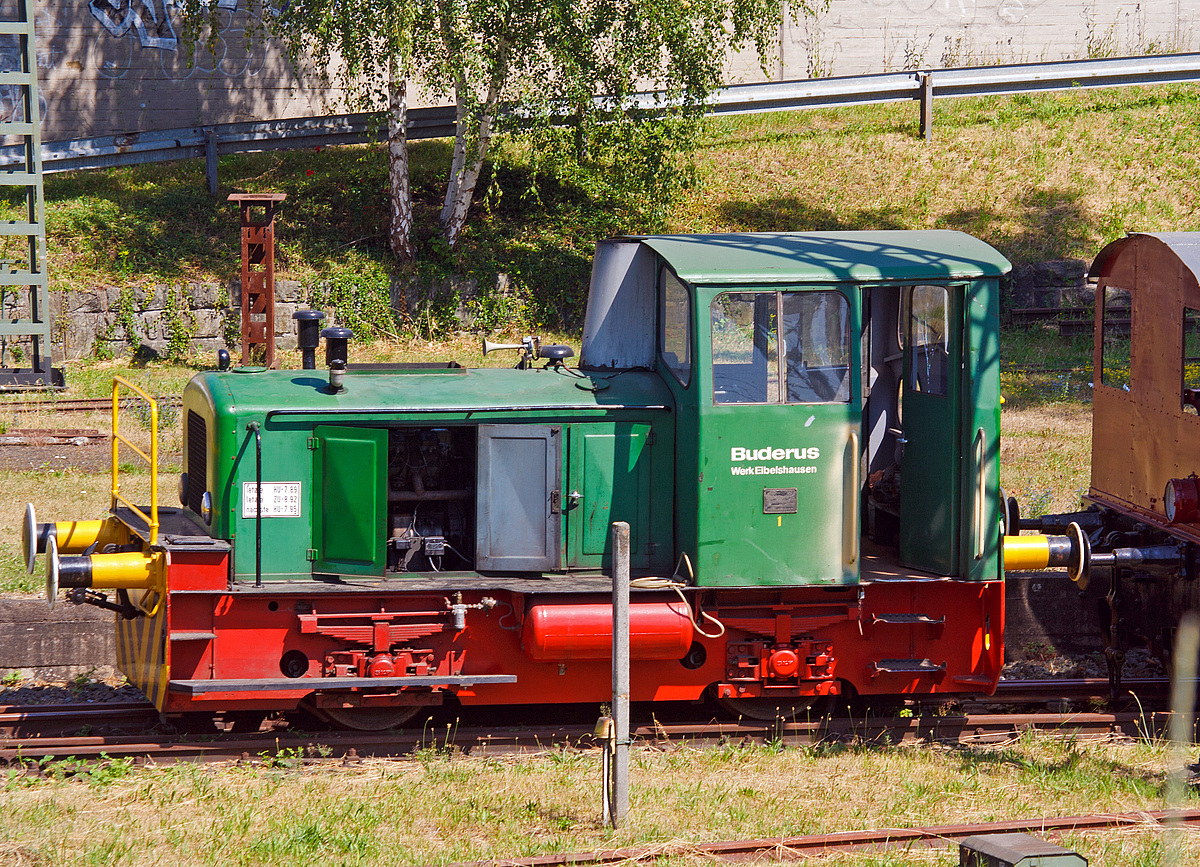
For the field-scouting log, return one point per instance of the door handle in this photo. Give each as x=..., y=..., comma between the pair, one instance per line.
x=850, y=537
x=980, y=494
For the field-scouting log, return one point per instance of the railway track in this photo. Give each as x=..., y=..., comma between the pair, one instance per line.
x=880, y=840
x=120, y=728
x=58, y=720
x=77, y=405
x=493, y=740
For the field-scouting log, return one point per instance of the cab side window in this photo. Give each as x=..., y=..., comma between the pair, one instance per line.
x=745, y=348
x=1116, y=319
x=675, y=326
x=814, y=327
x=816, y=334
x=1191, y=360
x=928, y=352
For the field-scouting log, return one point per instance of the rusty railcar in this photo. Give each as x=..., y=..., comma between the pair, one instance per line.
x=1136, y=540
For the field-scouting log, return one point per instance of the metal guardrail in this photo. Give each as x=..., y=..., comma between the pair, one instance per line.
x=922, y=86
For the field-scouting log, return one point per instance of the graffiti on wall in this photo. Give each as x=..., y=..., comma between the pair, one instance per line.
x=148, y=25
x=966, y=12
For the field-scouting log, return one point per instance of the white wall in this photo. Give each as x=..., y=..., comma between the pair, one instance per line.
x=114, y=66
x=863, y=36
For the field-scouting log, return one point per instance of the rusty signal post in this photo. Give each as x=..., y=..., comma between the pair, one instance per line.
x=258, y=272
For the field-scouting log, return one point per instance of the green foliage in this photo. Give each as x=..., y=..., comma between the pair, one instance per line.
x=634, y=165
x=567, y=64
x=361, y=299
x=125, y=318
x=179, y=324
x=168, y=416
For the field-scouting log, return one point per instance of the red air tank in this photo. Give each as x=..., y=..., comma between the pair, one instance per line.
x=559, y=631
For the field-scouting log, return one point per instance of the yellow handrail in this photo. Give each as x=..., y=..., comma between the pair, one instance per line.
x=152, y=458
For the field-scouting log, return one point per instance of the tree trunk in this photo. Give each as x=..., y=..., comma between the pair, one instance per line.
x=401, y=217
x=460, y=191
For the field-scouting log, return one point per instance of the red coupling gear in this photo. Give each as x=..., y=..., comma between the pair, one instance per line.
x=382, y=666
x=783, y=663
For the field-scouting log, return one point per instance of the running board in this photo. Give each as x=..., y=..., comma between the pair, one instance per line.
x=905, y=666
x=309, y=684
x=936, y=624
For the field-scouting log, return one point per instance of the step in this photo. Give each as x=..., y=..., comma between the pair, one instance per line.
x=908, y=618
x=907, y=666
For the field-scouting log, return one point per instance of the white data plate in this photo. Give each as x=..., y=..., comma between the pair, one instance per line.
x=279, y=500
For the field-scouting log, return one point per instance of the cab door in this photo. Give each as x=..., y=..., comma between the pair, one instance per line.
x=780, y=439
x=930, y=415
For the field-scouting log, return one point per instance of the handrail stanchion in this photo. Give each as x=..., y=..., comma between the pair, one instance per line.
x=152, y=458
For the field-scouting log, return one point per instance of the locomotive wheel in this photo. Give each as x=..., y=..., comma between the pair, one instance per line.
x=770, y=709
x=244, y=722
x=366, y=719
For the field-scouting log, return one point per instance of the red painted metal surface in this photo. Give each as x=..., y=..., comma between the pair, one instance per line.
x=564, y=631
x=778, y=643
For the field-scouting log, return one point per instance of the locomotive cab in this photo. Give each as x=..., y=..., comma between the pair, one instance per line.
x=837, y=397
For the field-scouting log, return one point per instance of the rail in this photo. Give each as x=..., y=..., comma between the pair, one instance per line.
x=922, y=86
x=152, y=458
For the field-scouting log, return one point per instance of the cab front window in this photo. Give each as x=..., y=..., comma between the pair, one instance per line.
x=748, y=367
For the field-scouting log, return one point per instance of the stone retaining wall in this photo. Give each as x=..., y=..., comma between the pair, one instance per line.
x=94, y=322
x=97, y=322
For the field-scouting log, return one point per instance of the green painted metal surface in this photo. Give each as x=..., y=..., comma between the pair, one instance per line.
x=824, y=257
x=350, y=499
x=931, y=465
x=753, y=469
x=778, y=494
x=981, y=436
x=291, y=405
x=610, y=469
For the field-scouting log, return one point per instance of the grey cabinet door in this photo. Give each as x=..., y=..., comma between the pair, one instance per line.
x=518, y=526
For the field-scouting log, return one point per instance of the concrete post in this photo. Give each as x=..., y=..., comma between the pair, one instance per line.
x=1182, y=732
x=620, y=672
x=927, y=107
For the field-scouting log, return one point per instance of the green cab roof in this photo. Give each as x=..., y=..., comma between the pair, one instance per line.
x=827, y=257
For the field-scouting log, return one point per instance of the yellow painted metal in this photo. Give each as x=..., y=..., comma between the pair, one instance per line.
x=1023, y=553
x=132, y=570
x=74, y=537
x=152, y=458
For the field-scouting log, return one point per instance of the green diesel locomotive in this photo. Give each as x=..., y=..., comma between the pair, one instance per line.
x=801, y=431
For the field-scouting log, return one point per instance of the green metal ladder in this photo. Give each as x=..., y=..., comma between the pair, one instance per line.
x=24, y=291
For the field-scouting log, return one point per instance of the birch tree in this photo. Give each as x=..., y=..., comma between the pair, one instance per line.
x=510, y=64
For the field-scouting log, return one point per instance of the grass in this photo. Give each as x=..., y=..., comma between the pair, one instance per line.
x=1046, y=455
x=456, y=808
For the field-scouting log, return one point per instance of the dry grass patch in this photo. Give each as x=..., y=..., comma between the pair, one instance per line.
x=438, y=809
x=1039, y=177
x=1045, y=456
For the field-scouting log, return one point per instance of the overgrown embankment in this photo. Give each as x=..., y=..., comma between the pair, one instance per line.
x=1040, y=177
